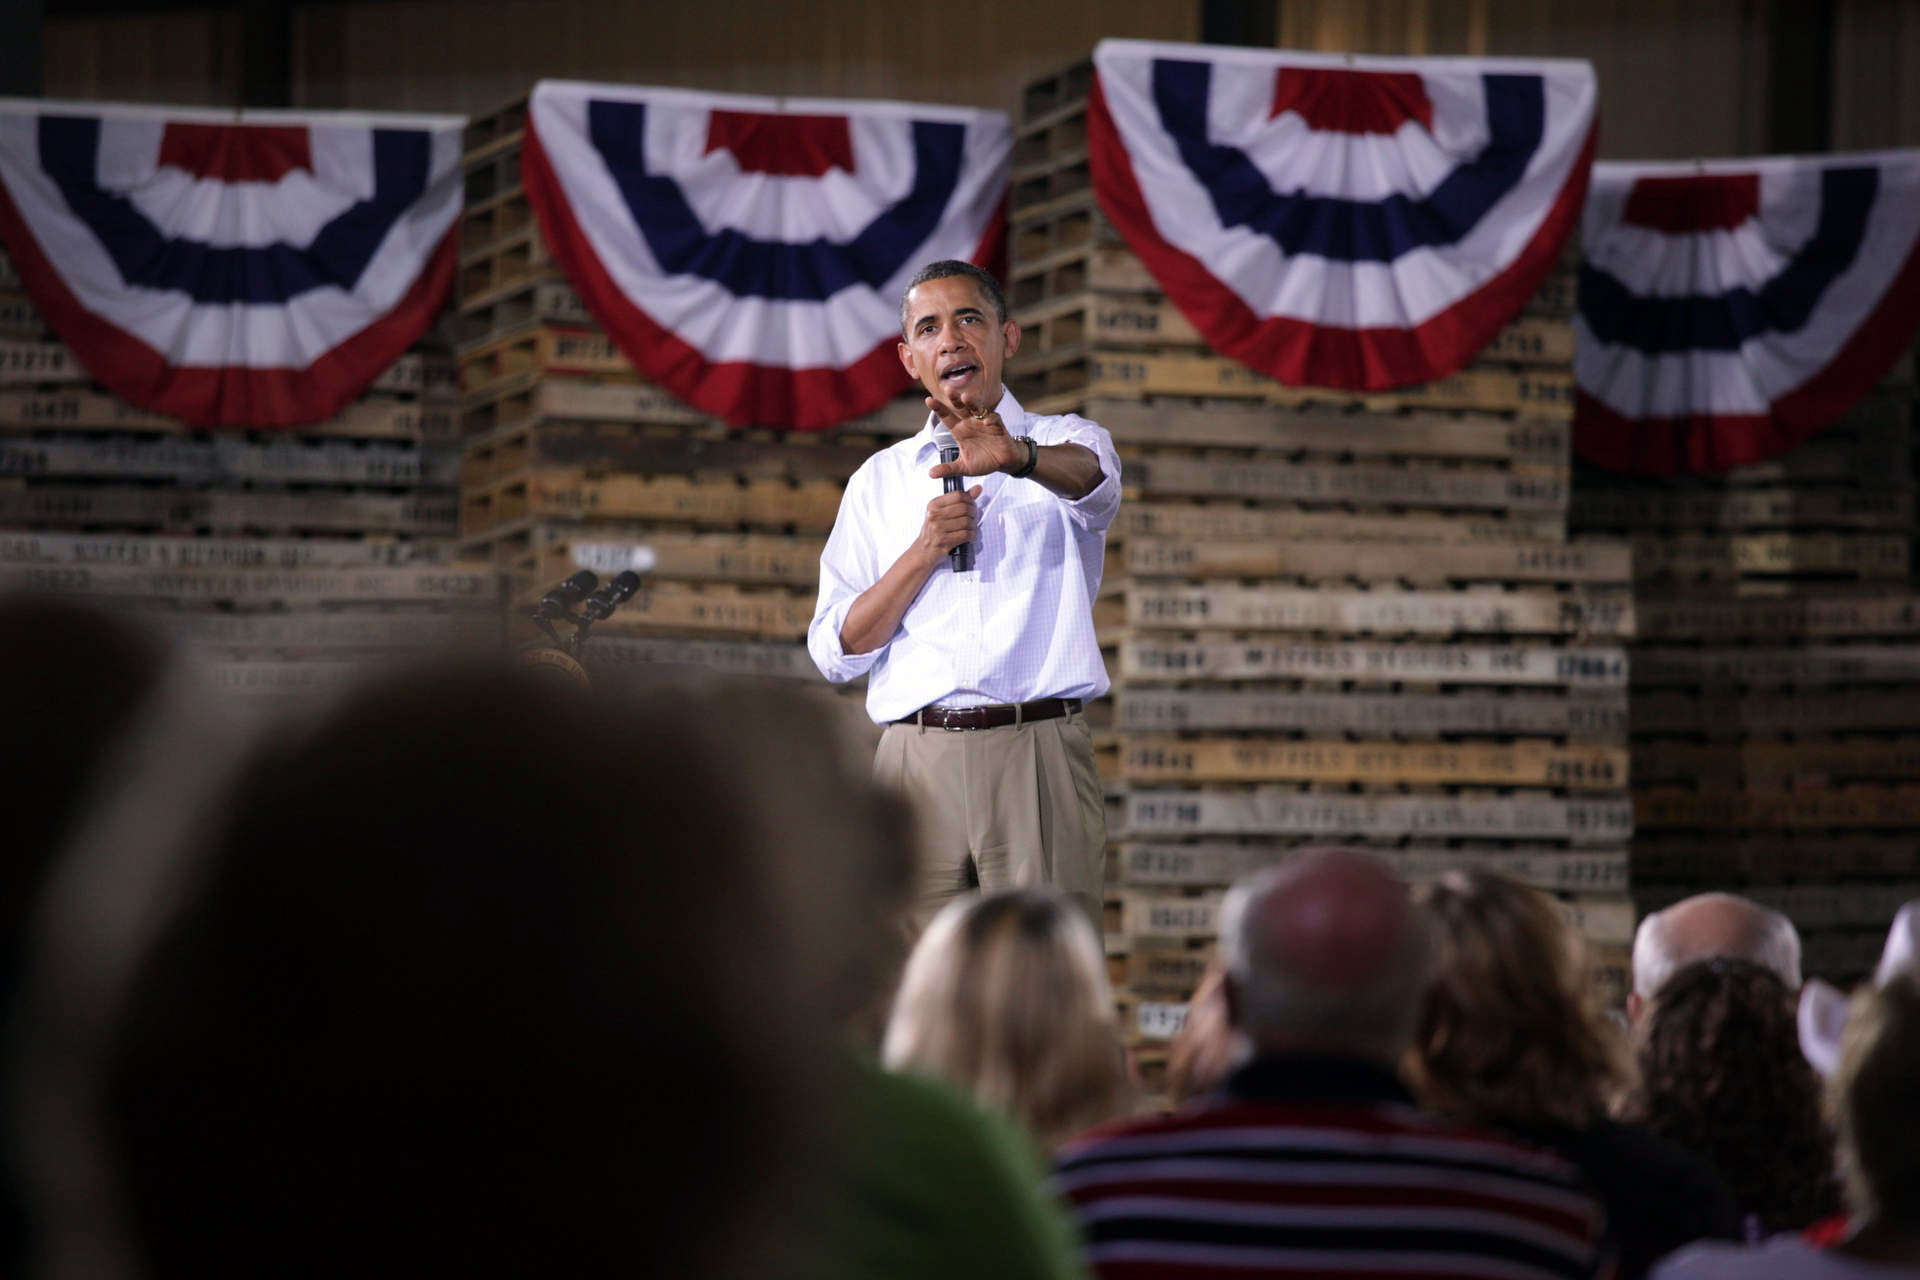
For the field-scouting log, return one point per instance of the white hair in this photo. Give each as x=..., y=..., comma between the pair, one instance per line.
x=1768, y=940
x=1375, y=1020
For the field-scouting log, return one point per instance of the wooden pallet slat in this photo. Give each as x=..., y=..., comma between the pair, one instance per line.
x=1742, y=509
x=1587, y=561
x=1282, y=810
x=1582, y=717
x=1233, y=523
x=1693, y=556
x=1394, y=486
x=1858, y=805
x=310, y=586
x=357, y=629
x=1585, y=611
x=1721, y=856
x=17, y=547
x=113, y=506
x=1771, y=761
x=700, y=557
x=736, y=657
x=1810, y=665
x=1600, y=918
x=39, y=364
x=1468, y=437
x=668, y=607
x=228, y=461
x=1795, y=617
x=1718, y=714
x=1211, y=863
x=1153, y=657
x=548, y=349
x=1580, y=768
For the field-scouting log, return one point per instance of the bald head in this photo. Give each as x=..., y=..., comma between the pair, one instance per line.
x=1709, y=925
x=1325, y=954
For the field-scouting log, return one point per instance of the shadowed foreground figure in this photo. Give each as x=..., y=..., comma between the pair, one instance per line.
x=72, y=679
x=1877, y=1106
x=1313, y=1158
x=482, y=975
x=1722, y=1077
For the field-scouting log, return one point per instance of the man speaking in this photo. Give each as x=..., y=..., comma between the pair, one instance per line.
x=978, y=663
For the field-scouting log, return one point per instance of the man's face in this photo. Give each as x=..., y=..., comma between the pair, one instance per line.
x=956, y=343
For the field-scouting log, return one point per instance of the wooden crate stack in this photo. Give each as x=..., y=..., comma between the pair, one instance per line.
x=1332, y=617
x=1776, y=683
x=573, y=461
x=290, y=557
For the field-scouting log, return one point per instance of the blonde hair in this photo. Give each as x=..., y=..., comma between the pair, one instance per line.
x=1515, y=1032
x=1875, y=1106
x=1006, y=996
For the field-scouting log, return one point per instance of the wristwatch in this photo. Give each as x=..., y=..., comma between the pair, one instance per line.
x=1033, y=458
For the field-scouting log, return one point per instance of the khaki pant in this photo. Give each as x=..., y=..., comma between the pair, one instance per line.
x=998, y=808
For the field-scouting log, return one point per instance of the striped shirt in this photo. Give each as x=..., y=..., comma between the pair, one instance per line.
x=1322, y=1167
x=1019, y=626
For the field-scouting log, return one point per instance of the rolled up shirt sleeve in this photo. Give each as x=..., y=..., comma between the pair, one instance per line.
x=1095, y=510
x=849, y=564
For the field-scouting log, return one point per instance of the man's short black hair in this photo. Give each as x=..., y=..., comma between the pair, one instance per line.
x=946, y=267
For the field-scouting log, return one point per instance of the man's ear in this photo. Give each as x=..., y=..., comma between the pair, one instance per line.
x=906, y=361
x=1635, y=1005
x=1011, y=332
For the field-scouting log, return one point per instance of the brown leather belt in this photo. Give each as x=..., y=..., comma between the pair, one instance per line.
x=992, y=717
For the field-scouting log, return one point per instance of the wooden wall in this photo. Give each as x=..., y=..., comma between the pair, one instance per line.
x=1678, y=78
x=473, y=54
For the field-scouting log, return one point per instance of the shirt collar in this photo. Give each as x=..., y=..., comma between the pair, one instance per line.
x=1316, y=1078
x=1009, y=409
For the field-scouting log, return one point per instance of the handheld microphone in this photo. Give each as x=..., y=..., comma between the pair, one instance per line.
x=601, y=604
x=558, y=601
x=960, y=557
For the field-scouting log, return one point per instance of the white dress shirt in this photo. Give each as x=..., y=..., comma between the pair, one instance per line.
x=1019, y=626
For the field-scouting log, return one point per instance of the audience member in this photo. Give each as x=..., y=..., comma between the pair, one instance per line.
x=1878, y=1119
x=1201, y=1055
x=475, y=975
x=1328, y=964
x=1515, y=1037
x=1006, y=997
x=73, y=679
x=1722, y=1076
x=1702, y=927
x=906, y=1177
x=1823, y=1007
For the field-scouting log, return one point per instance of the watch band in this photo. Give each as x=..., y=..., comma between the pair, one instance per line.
x=1033, y=459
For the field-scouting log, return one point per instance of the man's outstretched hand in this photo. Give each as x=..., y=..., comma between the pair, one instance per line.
x=984, y=443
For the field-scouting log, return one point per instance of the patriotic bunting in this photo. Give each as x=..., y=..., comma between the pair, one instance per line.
x=749, y=255
x=1729, y=310
x=1361, y=223
x=255, y=269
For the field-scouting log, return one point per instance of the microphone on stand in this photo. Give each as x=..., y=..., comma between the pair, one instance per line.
x=601, y=604
x=960, y=557
x=562, y=598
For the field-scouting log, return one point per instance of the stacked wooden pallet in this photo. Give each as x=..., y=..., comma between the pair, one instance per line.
x=1776, y=687
x=290, y=555
x=573, y=461
x=1334, y=617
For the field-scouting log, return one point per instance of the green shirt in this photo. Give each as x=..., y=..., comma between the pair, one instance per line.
x=914, y=1181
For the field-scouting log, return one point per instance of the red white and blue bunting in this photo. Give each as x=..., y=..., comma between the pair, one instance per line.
x=1729, y=310
x=255, y=269
x=749, y=254
x=1361, y=223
